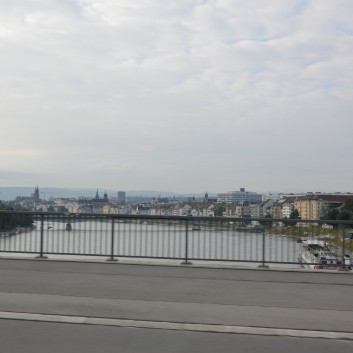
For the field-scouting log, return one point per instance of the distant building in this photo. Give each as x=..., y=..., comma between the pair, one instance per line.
x=98, y=200
x=29, y=201
x=121, y=197
x=239, y=196
x=313, y=206
x=35, y=195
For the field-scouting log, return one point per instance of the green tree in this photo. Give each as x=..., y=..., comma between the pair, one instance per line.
x=294, y=214
x=348, y=206
x=218, y=212
x=331, y=214
x=344, y=215
x=62, y=209
x=9, y=221
x=265, y=223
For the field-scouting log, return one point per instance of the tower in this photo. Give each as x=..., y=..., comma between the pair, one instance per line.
x=36, y=194
x=121, y=197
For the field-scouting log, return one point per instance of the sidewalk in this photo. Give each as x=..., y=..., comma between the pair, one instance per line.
x=141, y=295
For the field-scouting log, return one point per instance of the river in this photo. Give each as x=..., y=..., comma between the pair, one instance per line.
x=159, y=241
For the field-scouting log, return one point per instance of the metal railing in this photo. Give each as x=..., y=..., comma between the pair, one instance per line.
x=261, y=241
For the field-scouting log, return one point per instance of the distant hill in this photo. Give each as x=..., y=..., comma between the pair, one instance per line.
x=10, y=193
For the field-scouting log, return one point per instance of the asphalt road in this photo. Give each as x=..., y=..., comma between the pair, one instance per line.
x=257, y=298
x=38, y=337
x=91, y=307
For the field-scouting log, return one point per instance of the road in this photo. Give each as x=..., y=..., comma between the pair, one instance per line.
x=38, y=337
x=176, y=301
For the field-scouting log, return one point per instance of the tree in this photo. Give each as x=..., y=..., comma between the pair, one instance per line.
x=266, y=224
x=9, y=221
x=348, y=206
x=331, y=214
x=344, y=215
x=294, y=214
x=218, y=212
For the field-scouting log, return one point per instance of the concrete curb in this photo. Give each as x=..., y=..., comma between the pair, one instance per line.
x=176, y=326
x=199, y=264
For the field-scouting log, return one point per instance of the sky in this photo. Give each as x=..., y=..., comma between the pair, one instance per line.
x=183, y=96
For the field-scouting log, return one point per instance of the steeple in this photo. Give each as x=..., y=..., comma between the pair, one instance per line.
x=97, y=195
x=36, y=194
x=206, y=196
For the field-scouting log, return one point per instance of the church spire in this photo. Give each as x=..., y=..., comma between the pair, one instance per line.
x=36, y=194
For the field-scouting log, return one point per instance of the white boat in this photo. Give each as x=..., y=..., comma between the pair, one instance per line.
x=317, y=254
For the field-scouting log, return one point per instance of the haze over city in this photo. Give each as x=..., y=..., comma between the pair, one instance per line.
x=182, y=96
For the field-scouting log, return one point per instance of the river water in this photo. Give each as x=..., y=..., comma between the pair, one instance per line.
x=152, y=241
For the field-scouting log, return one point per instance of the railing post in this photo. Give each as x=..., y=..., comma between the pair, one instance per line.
x=111, y=258
x=263, y=264
x=186, y=260
x=343, y=260
x=41, y=256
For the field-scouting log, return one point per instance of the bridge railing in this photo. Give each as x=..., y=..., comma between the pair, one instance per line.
x=261, y=241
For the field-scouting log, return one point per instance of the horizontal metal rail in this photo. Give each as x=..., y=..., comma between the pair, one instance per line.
x=261, y=241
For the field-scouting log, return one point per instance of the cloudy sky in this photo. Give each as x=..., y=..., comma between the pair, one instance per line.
x=180, y=95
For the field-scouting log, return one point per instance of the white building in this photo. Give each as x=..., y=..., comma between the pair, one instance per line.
x=239, y=196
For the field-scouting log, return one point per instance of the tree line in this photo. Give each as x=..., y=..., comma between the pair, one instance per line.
x=9, y=221
x=343, y=213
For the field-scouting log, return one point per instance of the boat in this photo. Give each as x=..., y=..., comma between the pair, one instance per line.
x=317, y=254
x=68, y=226
x=195, y=227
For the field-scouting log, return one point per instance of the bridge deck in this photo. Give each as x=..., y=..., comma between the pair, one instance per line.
x=176, y=294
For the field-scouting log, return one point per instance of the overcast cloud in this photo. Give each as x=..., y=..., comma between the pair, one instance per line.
x=180, y=96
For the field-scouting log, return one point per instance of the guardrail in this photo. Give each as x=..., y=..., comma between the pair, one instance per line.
x=262, y=241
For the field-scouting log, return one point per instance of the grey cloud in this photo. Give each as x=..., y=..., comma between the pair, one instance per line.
x=157, y=94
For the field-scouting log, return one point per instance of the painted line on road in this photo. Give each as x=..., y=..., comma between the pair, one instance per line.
x=175, y=326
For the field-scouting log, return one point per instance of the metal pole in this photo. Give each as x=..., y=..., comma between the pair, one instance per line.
x=186, y=260
x=111, y=258
x=41, y=256
x=263, y=264
x=343, y=260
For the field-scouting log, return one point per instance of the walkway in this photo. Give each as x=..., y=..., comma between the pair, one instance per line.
x=186, y=298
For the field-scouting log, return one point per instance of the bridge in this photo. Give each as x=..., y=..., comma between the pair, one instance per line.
x=74, y=303
x=233, y=308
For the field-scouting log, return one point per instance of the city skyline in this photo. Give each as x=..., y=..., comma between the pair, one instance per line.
x=179, y=97
x=46, y=193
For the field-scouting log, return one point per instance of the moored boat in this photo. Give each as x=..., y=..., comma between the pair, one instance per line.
x=317, y=254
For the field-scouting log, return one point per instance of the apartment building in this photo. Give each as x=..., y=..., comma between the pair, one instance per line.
x=316, y=205
x=239, y=196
